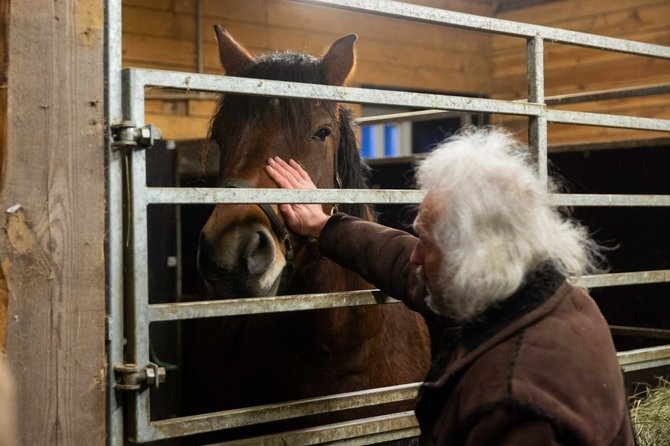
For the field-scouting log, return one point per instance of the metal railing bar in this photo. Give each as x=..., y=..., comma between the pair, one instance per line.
x=303, y=302
x=471, y=22
x=258, y=305
x=263, y=87
x=609, y=200
x=166, y=195
x=615, y=93
x=644, y=358
x=621, y=279
x=605, y=120
x=351, y=433
x=160, y=78
x=413, y=116
x=197, y=195
x=644, y=332
x=281, y=411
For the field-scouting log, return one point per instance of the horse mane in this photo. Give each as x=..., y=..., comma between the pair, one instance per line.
x=353, y=172
x=290, y=66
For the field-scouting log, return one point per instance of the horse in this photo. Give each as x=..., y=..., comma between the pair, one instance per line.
x=245, y=251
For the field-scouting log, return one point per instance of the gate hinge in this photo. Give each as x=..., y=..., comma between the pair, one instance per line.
x=128, y=135
x=130, y=377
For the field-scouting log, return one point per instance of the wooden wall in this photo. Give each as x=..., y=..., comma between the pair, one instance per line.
x=391, y=53
x=52, y=200
x=401, y=54
x=570, y=69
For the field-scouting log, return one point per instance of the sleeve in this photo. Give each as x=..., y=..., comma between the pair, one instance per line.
x=378, y=253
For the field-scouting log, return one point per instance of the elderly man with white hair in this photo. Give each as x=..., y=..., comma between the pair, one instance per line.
x=521, y=356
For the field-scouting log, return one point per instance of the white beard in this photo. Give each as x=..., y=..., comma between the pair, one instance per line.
x=446, y=303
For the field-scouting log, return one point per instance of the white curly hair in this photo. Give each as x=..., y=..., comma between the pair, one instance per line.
x=495, y=223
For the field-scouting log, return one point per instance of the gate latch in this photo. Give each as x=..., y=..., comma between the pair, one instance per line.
x=130, y=377
x=128, y=135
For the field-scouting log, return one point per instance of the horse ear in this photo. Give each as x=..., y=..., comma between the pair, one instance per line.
x=234, y=58
x=339, y=60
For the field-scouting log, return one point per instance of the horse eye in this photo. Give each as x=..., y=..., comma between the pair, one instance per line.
x=322, y=134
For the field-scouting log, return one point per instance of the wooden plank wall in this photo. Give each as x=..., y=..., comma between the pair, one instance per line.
x=570, y=69
x=391, y=53
x=4, y=27
x=51, y=245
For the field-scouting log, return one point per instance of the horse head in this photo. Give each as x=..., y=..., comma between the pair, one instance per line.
x=244, y=250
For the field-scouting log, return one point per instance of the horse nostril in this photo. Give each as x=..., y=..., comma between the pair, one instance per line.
x=259, y=252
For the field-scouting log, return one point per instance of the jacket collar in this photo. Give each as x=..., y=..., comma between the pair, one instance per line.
x=539, y=294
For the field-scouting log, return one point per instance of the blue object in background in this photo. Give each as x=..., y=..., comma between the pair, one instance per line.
x=391, y=143
x=368, y=142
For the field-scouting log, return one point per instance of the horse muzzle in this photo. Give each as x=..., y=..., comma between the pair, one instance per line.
x=242, y=262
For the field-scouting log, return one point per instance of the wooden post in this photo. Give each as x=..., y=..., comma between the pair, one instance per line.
x=52, y=211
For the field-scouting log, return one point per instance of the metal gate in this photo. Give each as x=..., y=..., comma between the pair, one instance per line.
x=130, y=313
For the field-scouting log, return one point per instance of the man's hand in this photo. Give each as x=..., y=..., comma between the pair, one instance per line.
x=303, y=219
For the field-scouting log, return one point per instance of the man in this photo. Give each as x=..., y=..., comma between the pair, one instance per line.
x=520, y=355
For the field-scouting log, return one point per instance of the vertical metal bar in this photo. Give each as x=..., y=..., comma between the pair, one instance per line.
x=137, y=321
x=537, y=125
x=198, y=32
x=114, y=221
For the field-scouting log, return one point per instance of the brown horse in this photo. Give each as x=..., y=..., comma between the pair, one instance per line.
x=243, y=252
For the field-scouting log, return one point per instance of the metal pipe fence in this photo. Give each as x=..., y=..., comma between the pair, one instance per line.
x=139, y=313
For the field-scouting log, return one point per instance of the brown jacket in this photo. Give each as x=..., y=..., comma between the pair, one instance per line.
x=538, y=369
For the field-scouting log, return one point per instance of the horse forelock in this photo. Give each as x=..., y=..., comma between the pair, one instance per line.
x=236, y=111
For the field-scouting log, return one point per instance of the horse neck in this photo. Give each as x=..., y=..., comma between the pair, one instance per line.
x=316, y=274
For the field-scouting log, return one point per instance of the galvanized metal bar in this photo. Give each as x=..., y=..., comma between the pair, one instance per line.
x=350, y=433
x=609, y=200
x=136, y=314
x=228, y=419
x=165, y=195
x=604, y=120
x=615, y=93
x=644, y=358
x=620, y=279
x=264, y=87
x=114, y=221
x=258, y=305
x=301, y=302
x=496, y=26
x=261, y=87
x=643, y=332
x=413, y=116
x=537, y=125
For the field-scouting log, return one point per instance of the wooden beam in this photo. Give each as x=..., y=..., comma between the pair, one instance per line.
x=52, y=197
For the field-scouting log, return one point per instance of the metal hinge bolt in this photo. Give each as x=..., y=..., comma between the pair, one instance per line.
x=130, y=377
x=127, y=134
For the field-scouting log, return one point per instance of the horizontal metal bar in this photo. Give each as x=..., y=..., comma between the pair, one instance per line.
x=496, y=26
x=301, y=302
x=258, y=305
x=281, y=411
x=182, y=195
x=620, y=279
x=264, y=87
x=414, y=116
x=603, y=120
x=350, y=433
x=643, y=332
x=609, y=200
x=615, y=93
x=644, y=358
x=165, y=195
